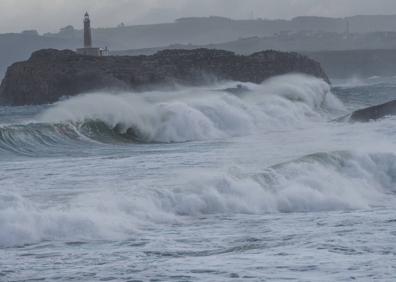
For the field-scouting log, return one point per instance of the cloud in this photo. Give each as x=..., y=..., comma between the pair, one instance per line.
x=50, y=15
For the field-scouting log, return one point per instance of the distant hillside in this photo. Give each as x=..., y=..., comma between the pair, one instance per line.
x=359, y=63
x=199, y=31
x=292, y=35
x=18, y=47
x=214, y=30
x=298, y=42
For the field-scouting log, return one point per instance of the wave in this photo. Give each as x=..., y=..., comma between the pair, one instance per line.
x=359, y=82
x=318, y=182
x=188, y=114
x=337, y=181
x=353, y=82
x=199, y=113
x=32, y=138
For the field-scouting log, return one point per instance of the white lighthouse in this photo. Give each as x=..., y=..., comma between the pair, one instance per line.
x=88, y=49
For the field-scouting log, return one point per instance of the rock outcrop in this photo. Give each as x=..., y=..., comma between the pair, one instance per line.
x=51, y=74
x=375, y=112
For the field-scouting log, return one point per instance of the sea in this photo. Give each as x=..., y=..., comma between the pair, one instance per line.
x=275, y=183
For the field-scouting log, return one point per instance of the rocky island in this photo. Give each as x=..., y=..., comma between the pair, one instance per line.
x=375, y=112
x=51, y=74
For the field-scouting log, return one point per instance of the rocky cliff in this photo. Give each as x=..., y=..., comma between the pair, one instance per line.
x=51, y=74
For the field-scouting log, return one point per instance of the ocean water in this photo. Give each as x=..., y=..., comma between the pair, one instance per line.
x=197, y=184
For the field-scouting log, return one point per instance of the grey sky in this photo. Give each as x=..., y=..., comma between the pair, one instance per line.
x=50, y=15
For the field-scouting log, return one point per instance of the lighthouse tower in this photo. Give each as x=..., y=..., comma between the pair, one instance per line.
x=88, y=49
x=87, y=32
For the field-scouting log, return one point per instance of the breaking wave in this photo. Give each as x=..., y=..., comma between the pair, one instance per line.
x=187, y=114
x=319, y=182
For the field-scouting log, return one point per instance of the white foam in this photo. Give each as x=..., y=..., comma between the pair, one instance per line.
x=334, y=181
x=199, y=113
x=323, y=182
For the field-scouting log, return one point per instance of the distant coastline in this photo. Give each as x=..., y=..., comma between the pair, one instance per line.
x=301, y=34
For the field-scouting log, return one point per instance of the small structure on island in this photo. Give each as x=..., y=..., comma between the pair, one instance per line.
x=88, y=49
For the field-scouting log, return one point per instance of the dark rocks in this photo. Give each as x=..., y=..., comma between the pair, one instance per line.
x=375, y=112
x=51, y=74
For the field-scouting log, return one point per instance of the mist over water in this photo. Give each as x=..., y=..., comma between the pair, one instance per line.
x=174, y=179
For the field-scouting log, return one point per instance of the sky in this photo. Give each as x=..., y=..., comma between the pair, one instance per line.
x=51, y=15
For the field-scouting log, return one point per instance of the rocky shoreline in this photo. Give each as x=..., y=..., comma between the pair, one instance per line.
x=51, y=74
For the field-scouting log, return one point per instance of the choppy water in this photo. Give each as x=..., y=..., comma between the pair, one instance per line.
x=201, y=185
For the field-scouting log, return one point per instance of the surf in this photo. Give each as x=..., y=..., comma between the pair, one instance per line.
x=321, y=182
x=182, y=115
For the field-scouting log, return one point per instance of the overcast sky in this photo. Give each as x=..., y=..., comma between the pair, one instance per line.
x=50, y=15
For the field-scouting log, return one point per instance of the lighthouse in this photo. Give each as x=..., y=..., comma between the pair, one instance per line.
x=88, y=49
x=87, y=31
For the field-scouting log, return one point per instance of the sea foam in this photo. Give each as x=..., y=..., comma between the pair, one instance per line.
x=321, y=182
x=200, y=113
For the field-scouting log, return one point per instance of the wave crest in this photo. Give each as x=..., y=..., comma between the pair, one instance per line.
x=189, y=114
x=319, y=182
x=197, y=114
